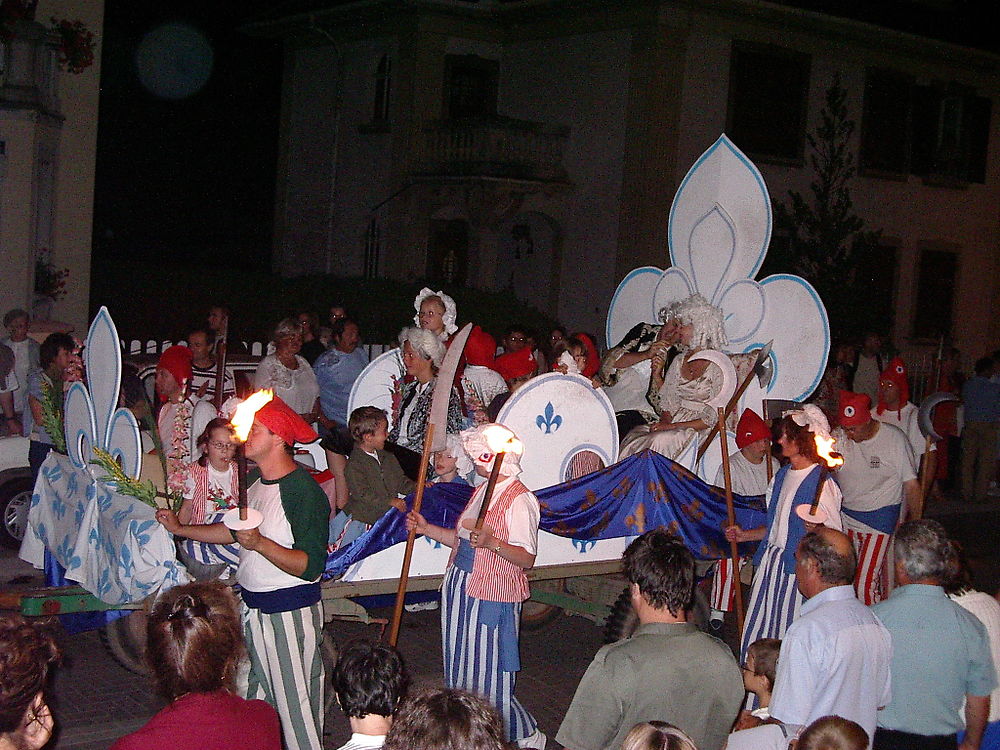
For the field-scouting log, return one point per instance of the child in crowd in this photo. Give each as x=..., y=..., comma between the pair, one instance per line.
x=210, y=489
x=657, y=735
x=758, y=678
x=832, y=733
x=370, y=680
x=452, y=464
x=570, y=356
x=374, y=478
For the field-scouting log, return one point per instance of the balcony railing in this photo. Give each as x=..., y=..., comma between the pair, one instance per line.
x=493, y=147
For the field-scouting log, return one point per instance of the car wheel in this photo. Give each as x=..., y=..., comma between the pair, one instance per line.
x=15, y=500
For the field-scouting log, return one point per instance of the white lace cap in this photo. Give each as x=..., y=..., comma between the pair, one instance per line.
x=810, y=416
x=450, y=310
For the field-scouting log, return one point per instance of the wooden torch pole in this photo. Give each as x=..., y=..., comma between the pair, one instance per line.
x=731, y=516
x=418, y=499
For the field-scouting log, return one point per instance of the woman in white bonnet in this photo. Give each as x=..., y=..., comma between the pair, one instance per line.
x=680, y=396
x=436, y=312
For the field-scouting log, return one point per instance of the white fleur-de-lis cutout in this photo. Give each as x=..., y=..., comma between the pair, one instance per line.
x=719, y=231
x=92, y=415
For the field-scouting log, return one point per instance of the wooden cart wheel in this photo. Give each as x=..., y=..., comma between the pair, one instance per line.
x=125, y=638
x=536, y=615
x=328, y=650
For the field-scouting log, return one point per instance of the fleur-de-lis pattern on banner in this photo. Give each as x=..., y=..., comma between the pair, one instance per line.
x=109, y=543
x=549, y=419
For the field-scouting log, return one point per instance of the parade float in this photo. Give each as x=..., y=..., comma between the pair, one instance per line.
x=101, y=531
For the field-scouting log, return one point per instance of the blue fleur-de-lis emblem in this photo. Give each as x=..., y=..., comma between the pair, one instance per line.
x=35, y=499
x=118, y=518
x=59, y=507
x=584, y=545
x=65, y=554
x=138, y=531
x=125, y=562
x=434, y=544
x=549, y=419
x=104, y=582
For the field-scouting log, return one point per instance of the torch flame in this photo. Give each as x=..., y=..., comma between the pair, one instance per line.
x=242, y=419
x=501, y=440
x=824, y=447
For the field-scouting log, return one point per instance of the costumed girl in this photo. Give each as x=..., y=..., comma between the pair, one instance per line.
x=436, y=312
x=211, y=488
x=680, y=396
x=485, y=585
x=774, y=594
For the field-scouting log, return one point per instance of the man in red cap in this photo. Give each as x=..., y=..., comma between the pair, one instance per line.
x=183, y=417
x=280, y=565
x=480, y=382
x=879, y=471
x=749, y=475
x=895, y=408
x=516, y=368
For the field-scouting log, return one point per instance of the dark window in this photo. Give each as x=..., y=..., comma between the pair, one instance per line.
x=383, y=86
x=935, y=294
x=448, y=251
x=768, y=93
x=885, y=125
x=470, y=86
x=950, y=133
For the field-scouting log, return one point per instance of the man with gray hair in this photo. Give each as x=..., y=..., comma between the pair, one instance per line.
x=940, y=652
x=834, y=658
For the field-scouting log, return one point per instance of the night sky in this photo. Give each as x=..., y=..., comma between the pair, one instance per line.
x=186, y=179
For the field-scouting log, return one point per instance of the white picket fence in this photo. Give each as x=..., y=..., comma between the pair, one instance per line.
x=257, y=349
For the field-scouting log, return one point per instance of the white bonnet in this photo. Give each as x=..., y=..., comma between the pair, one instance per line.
x=811, y=416
x=450, y=311
x=474, y=442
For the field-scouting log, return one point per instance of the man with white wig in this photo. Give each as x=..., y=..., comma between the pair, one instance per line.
x=681, y=395
x=485, y=583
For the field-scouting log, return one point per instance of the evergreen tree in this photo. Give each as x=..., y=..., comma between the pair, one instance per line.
x=828, y=242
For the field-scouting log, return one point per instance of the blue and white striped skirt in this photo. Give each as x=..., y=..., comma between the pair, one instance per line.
x=774, y=600
x=212, y=554
x=481, y=650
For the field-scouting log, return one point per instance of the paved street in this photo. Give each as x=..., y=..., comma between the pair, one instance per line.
x=95, y=700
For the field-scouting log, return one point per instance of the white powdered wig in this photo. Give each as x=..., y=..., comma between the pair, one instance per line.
x=424, y=343
x=450, y=311
x=706, y=321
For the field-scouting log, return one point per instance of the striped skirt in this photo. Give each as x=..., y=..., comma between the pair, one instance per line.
x=286, y=670
x=212, y=554
x=481, y=658
x=774, y=600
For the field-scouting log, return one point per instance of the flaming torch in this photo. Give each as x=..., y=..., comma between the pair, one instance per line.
x=242, y=517
x=500, y=441
x=831, y=460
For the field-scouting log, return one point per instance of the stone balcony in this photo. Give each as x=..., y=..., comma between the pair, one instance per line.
x=495, y=147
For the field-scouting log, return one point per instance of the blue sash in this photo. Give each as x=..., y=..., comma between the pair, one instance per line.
x=882, y=519
x=805, y=494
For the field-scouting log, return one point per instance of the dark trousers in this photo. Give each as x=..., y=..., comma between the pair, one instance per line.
x=891, y=739
x=36, y=455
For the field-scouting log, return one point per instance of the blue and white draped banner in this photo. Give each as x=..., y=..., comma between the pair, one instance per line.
x=109, y=543
x=643, y=492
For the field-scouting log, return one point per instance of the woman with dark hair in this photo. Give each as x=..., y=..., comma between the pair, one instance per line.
x=194, y=647
x=26, y=653
x=774, y=594
x=446, y=719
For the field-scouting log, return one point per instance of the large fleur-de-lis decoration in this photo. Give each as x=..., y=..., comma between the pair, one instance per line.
x=93, y=418
x=549, y=419
x=719, y=230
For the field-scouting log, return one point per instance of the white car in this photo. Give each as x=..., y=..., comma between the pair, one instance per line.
x=15, y=490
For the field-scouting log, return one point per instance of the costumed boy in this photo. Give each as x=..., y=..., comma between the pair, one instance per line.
x=280, y=565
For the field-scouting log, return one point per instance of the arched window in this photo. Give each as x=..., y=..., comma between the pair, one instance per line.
x=383, y=86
